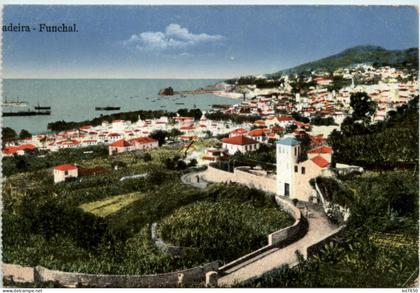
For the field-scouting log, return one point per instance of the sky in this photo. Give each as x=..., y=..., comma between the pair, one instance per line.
x=193, y=41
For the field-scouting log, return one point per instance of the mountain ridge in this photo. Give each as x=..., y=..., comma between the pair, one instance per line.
x=359, y=54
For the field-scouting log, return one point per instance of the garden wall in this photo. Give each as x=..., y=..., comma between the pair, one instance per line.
x=257, y=179
x=277, y=238
x=288, y=233
x=18, y=274
x=188, y=277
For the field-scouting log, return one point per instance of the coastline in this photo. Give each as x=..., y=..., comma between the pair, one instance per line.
x=229, y=95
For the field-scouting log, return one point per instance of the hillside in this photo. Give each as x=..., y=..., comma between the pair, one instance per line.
x=361, y=54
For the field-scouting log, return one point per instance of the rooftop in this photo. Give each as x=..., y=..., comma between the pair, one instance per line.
x=65, y=167
x=320, y=161
x=239, y=140
x=288, y=141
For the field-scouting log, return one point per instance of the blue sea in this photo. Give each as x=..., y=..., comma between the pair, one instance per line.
x=76, y=99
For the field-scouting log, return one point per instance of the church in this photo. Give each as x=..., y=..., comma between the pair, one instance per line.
x=294, y=173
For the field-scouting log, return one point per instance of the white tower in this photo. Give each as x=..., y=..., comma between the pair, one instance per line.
x=287, y=154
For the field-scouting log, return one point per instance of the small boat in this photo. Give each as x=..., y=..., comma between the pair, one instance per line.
x=17, y=103
x=38, y=107
x=26, y=113
x=107, y=108
x=180, y=103
x=163, y=106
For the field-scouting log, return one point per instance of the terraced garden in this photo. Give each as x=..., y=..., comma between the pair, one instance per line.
x=110, y=205
x=100, y=224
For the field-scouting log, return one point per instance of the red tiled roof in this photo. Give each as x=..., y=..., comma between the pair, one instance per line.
x=256, y=132
x=239, y=140
x=114, y=134
x=320, y=161
x=284, y=118
x=65, y=167
x=277, y=128
x=68, y=142
x=208, y=158
x=26, y=147
x=144, y=140
x=190, y=127
x=10, y=150
x=321, y=150
x=120, y=143
x=239, y=131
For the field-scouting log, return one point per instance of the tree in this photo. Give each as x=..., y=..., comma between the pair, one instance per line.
x=363, y=106
x=290, y=128
x=174, y=132
x=196, y=113
x=8, y=133
x=24, y=134
x=193, y=163
x=160, y=136
x=147, y=157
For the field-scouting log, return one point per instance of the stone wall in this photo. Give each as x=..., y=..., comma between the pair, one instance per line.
x=243, y=175
x=290, y=232
x=18, y=274
x=278, y=238
x=188, y=277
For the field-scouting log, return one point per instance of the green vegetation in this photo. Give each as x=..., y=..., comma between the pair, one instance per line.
x=8, y=133
x=108, y=206
x=393, y=143
x=335, y=192
x=232, y=222
x=99, y=224
x=24, y=134
x=361, y=54
x=264, y=157
x=323, y=121
x=380, y=245
x=220, y=116
x=16, y=164
x=130, y=116
x=252, y=80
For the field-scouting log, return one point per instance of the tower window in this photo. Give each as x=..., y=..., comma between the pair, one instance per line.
x=303, y=170
x=296, y=169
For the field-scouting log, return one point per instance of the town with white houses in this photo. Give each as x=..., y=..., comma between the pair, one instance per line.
x=280, y=115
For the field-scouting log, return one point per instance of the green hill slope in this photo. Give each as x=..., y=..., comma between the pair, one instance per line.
x=361, y=54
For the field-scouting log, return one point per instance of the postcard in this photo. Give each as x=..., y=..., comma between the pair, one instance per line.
x=210, y=146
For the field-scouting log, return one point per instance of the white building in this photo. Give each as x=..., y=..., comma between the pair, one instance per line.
x=239, y=143
x=141, y=143
x=63, y=172
x=293, y=175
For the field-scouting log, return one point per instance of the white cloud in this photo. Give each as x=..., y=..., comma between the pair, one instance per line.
x=174, y=37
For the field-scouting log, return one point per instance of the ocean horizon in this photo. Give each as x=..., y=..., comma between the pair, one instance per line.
x=76, y=99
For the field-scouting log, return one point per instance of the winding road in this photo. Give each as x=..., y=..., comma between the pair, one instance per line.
x=319, y=228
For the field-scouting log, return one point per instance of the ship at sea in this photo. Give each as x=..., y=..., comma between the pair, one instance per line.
x=38, y=107
x=16, y=103
x=108, y=108
x=26, y=113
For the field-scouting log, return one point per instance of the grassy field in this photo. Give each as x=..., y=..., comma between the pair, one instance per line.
x=110, y=205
